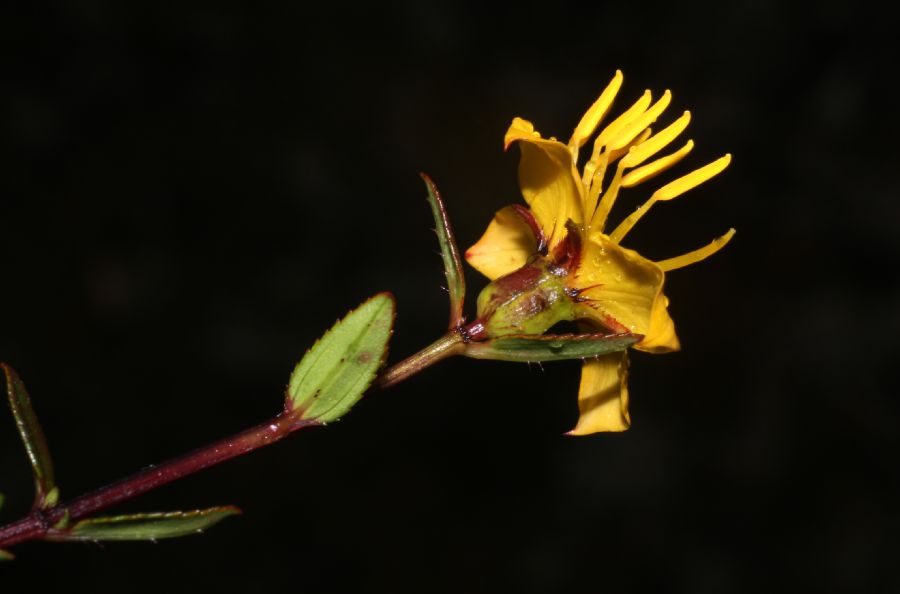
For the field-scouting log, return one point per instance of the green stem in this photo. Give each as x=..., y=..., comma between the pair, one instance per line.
x=448, y=345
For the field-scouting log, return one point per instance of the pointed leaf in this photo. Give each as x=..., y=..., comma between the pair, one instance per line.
x=338, y=369
x=550, y=347
x=456, y=281
x=148, y=526
x=46, y=494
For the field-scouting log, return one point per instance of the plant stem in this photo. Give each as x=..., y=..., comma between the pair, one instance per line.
x=448, y=345
x=39, y=523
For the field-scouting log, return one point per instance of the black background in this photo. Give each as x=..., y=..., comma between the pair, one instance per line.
x=191, y=194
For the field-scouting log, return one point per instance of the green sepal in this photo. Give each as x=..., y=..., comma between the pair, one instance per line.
x=456, y=280
x=147, y=526
x=46, y=493
x=337, y=370
x=549, y=347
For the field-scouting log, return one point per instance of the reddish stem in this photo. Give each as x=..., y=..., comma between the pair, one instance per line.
x=39, y=522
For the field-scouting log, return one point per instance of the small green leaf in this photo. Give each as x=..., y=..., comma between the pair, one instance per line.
x=152, y=526
x=456, y=280
x=338, y=369
x=550, y=347
x=46, y=493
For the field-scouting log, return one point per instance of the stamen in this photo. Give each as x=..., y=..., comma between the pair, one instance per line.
x=607, y=201
x=693, y=179
x=595, y=114
x=670, y=191
x=650, y=147
x=611, y=131
x=634, y=128
x=596, y=186
x=696, y=255
x=654, y=168
x=615, y=155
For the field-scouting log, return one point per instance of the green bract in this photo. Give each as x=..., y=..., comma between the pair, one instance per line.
x=152, y=526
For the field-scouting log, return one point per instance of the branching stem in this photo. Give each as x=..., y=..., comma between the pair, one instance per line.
x=40, y=522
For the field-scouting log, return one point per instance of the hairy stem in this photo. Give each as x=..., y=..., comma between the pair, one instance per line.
x=39, y=523
x=448, y=345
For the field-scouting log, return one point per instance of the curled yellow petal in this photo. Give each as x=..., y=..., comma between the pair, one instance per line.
x=648, y=148
x=504, y=247
x=654, y=168
x=637, y=125
x=603, y=395
x=519, y=129
x=660, y=336
x=550, y=186
x=596, y=112
x=699, y=254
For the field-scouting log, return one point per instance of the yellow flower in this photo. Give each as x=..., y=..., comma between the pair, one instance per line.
x=616, y=288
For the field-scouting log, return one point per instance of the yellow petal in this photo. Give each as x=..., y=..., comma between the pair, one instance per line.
x=549, y=181
x=660, y=337
x=648, y=148
x=603, y=395
x=596, y=113
x=699, y=254
x=616, y=283
x=504, y=247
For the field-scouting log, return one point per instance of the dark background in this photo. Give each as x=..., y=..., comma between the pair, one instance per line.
x=190, y=195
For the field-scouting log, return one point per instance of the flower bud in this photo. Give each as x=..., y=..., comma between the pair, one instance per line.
x=527, y=301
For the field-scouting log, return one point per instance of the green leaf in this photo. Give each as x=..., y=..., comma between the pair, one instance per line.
x=550, y=347
x=149, y=526
x=338, y=369
x=6, y=555
x=46, y=493
x=456, y=280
